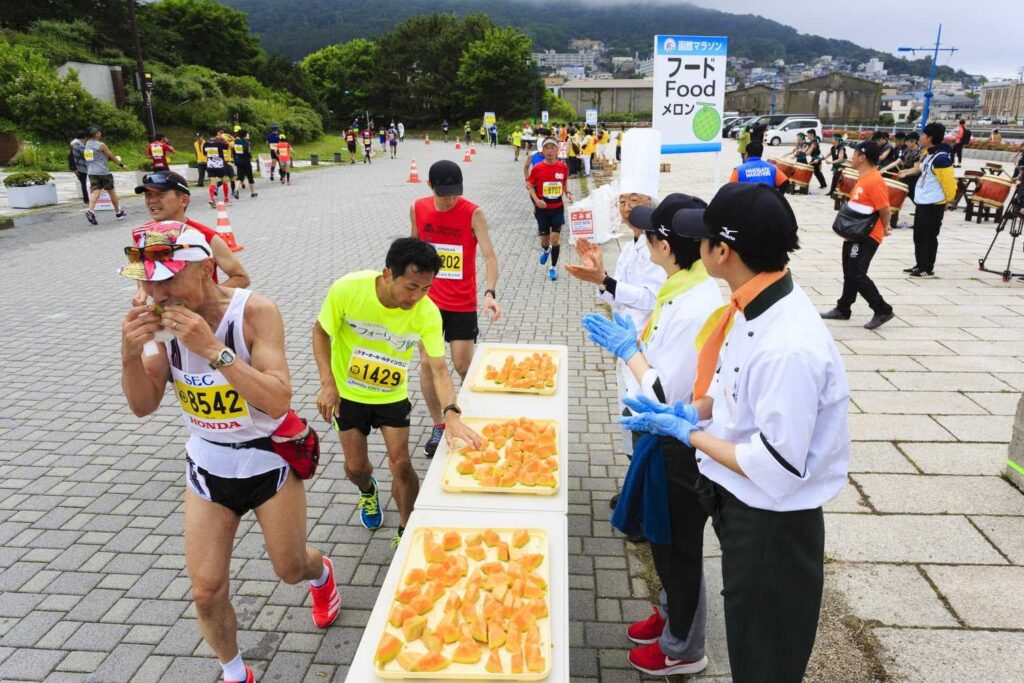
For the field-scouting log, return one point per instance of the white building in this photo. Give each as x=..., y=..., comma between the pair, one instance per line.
x=944, y=108
x=645, y=67
x=874, y=67
x=900, y=106
x=552, y=59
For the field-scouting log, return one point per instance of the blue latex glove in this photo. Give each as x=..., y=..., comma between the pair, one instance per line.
x=643, y=404
x=619, y=337
x=663, y=424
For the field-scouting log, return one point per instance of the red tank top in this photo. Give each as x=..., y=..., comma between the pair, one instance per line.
x=451, y=233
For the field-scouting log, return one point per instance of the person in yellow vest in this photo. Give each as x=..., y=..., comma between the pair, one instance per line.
x=618, y=144
x=197, y=145
x=284, y=159
x=588, y=148
x=229, y=159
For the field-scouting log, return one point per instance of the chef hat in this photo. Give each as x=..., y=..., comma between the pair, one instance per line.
x=641, y=162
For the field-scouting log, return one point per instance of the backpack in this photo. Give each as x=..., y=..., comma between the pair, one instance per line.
x=966, y=137
x=72, y=166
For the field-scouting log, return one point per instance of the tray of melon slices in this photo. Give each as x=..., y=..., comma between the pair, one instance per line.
x=518, y=369
x=519, y=455
x=470, y=604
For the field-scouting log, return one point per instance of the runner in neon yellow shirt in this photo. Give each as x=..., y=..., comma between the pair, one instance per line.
x=363, y=343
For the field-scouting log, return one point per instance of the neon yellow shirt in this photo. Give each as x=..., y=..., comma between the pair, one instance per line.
x=371, y=345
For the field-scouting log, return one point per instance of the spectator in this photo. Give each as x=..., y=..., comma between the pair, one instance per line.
x=197, y=145
x=78, y=164
x=742, y=140
x=960, y=140
x=935, y=188
x=868, y=196
x=996, y=138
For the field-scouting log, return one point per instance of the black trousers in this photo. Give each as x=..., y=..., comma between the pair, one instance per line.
x=837, y=173
x=856, y=261
x=818, y=174
x=958, y=152
x=85, y=186
x=773, y=566
x=927, y=223
x=680, y=563
x=202, y=173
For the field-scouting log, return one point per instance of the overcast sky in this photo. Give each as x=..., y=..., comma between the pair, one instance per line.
x=989, y=35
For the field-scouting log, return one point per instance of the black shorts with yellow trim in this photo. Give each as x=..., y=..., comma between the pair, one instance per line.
x=459, y=326
x=369, y=416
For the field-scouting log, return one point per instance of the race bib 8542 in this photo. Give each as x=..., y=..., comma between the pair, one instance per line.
x=217, y=402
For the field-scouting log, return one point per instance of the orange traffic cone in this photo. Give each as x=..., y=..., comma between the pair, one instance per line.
x=224, y=228
x=458, y=145
x=466, y=158
x=426, y=139
x=472, y=148
x=414, y=175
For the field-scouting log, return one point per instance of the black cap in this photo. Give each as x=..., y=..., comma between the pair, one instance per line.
x=870, y=149
x=659, y=219
x=445, y=178
x=163, y=181
x=750, y=217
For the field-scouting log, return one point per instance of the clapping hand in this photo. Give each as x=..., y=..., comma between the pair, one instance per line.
x=619, y=337
x=664, y=424
x=643, y=404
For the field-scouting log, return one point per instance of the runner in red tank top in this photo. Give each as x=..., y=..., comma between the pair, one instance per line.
x=454, y=226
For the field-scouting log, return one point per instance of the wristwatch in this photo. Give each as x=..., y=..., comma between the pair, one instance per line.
x=493, y=294
x=225, y=358
x=454, y=407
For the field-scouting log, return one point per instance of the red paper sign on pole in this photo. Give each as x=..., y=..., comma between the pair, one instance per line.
x=581, y=224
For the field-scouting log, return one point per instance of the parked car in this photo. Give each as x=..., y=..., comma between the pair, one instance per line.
x=733, y=129
x=785, y=132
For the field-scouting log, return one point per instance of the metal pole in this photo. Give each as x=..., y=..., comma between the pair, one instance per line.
x=775, y=77
x=140, y=76
x=931, y=80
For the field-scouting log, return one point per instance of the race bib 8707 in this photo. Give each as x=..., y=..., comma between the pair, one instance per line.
x=552, y=190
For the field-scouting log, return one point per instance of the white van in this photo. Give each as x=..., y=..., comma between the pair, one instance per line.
x=785, y=132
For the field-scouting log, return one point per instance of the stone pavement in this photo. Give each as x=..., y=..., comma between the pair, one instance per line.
x=926, y=543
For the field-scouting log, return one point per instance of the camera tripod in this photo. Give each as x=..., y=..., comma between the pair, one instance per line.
x=1013, y=219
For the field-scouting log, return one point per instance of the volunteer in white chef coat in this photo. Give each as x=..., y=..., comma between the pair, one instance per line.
x=777, y=446
x=633, y=290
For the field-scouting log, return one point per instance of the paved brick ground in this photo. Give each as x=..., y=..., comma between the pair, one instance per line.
x=926, y=539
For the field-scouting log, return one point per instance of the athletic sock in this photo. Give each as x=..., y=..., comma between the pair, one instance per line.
x=225, y=191
x=233, y=186
x=401, y=529
x=317, y=583
x=555, y=250
x=235, y=669
x=213, y=193
x=439, y=424
x=369, y=492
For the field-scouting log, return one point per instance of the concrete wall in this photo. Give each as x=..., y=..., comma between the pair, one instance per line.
x=835, y=105
x=609, y=100
x=97, y=80
x=755, y=100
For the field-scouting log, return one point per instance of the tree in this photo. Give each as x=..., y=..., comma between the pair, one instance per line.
x=886, y=119
x=344, y=76
x=199, y=32
x=495, y=74
x=913, y=115
x=280, y=73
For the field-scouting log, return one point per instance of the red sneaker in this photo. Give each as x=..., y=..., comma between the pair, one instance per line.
x=326, y=599
x=647, y=631
x=651, y=660
x=250, y=677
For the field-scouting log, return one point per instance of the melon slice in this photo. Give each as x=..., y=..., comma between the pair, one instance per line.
x=388, y=649
x=513, y=641
x=467, y=652
x=407, y=594
x=517, y=663
x=534, y=660
x=495, y=635
x=399, y=613
x=475, y=539
x=433, y=641
x=531, y=561
x=476, y=552
x=432, y=661
x=465, y=467
x=520, y=538
x=408, y=660
x=491, y=538
x=451, y=540
x=415, y=576
x=494, y=663
x=413, y=628
x=502, y=552
x=422, y=604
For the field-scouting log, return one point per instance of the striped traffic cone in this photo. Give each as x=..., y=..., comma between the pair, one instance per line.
x=426, y=139
x=466, y=158
x=224, y=228
x=472, y=148
x=458, y=145
x=414, y=175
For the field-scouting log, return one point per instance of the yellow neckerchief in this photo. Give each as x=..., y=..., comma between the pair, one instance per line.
x=681, y=282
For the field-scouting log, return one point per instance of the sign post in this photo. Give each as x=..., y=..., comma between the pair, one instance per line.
x=489, y=119
x=591, y=117
x=689, y=93
x=544, y=117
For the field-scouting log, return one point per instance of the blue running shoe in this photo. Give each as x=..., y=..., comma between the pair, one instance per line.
x=552, y=274
x=436, y=434
x=544, y=257
x=369, y=508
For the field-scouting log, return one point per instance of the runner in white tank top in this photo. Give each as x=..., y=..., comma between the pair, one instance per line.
x=227, y=367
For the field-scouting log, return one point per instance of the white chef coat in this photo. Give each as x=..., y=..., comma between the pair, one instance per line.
x=637, y=282
x=780, y=394
x=670, y=351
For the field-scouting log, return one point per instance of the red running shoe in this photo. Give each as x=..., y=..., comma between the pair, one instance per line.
x=647, y=631
x=326, y=599
x=250, y=677
x=651, y=660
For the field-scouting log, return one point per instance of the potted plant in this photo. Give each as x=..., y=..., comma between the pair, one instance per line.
x=30, y=189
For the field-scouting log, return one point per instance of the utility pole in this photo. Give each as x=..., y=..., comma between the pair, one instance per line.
x=935, y=50
x=143, y=80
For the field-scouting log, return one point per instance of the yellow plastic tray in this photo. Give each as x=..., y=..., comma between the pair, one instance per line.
x=454, y=482
x=496, y=355
x=455, y=671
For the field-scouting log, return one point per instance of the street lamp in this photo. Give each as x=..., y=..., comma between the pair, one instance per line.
x=931, y=77
x=143, y=79
x=533, y=89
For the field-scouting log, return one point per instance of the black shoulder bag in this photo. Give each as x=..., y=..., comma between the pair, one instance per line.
x=853, y=226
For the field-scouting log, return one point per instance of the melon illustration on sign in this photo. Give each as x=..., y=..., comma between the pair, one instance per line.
x=706, y=122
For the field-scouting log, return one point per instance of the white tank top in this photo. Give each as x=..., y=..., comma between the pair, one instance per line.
x=214, y=411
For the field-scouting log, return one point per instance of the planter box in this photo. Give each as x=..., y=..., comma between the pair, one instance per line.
x=32, y=196
x=192, y=174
